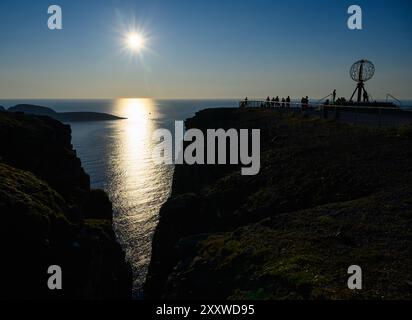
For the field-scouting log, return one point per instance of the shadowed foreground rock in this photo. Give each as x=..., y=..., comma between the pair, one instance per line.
x=49, y=216
x=328, y=196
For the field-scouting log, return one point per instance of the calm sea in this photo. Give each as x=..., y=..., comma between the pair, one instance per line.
x=117, y=156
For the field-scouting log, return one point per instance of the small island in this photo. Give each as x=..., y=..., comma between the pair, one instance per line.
x=62, y=116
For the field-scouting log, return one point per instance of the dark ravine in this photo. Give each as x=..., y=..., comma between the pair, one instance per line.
x=328, y=196
x=50, y=216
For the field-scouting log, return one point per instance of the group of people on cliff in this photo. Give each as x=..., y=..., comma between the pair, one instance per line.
x=286, y=103
x=274, y=103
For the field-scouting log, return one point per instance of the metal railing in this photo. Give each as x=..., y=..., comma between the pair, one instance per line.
x=394, y=98
x=355, y=114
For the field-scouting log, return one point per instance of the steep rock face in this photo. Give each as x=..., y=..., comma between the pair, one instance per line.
x=49, y=216
x=328, y=196
x=43, y=146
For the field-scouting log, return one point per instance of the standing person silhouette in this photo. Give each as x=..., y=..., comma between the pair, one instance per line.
x=334, y=96
x=283, y=102
x=365, y=97
x=277, y=101
x=268, y=102
x=288, y=102
x=324, y=108
x=305, y=102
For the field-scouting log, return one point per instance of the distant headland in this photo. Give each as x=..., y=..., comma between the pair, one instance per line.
x=61, y=116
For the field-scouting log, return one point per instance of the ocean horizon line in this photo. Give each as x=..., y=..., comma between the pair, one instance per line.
x=169, y=99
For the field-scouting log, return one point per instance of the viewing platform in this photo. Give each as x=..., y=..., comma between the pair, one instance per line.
x=373, y=114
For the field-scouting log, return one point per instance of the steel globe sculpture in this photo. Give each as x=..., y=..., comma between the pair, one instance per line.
x=361, y=71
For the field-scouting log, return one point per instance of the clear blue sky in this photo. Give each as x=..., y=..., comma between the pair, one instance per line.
x=203, y=49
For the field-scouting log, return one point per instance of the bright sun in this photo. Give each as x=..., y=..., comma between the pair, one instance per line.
x=135, y=41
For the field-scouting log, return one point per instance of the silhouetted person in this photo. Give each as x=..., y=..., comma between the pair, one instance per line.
x=268, y=102
x=277, y=101
x=305, y=102
x=341, y=101
x=302, y=102
x=365, y=97
x=283, y=102
x=325, y=108
x=273, y=102
x=288, y=102
x=245, y=103
x=334, y=96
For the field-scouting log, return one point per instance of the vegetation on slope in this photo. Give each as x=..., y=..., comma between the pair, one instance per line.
x=328, y=196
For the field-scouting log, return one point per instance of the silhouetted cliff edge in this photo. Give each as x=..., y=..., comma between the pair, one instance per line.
x=49, y=216
x=328, y=196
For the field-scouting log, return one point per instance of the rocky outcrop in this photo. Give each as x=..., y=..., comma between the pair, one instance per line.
x=2, y=108
x=43, y=146
x=51, y=217
x=328, y=196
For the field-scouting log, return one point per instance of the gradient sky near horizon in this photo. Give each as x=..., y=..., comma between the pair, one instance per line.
x=202, y=49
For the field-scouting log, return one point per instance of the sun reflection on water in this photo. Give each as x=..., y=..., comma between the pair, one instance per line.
x=117, y=156
x=138, y=187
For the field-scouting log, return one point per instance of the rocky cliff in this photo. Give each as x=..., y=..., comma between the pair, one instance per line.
x=49, y=216
x=328, y=196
